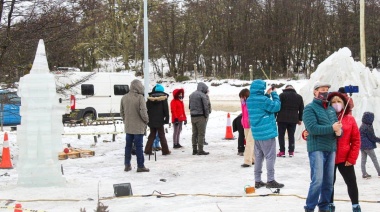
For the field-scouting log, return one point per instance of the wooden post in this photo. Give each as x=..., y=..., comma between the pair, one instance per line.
x=195, y=72
x=250, y=72
x=362, y=34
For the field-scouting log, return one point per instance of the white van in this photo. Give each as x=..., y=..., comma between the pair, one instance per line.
x=94, y=95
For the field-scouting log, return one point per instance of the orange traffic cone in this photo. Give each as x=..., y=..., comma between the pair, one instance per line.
x=6, y=162
x=229, y=135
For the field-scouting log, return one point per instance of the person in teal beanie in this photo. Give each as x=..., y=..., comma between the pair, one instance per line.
x=323, y=127
x=158, y=112
x=261, y=109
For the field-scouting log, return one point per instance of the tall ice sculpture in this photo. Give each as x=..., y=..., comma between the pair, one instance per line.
x=40, y=134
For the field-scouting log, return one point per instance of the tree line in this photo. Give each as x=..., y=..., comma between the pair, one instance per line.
x=276, y=38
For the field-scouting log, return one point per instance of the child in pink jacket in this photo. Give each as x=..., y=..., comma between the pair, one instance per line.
x=249, y=156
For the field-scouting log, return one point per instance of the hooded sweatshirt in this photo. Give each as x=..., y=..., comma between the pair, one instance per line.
x=198, y=101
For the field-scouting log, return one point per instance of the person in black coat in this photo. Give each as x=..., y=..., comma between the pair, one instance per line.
x=237, y=126
x=158, y=112
x=288, y=117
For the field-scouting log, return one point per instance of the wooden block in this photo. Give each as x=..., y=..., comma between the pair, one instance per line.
x=76, y=153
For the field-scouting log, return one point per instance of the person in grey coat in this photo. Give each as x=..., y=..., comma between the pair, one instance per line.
x=135, y=116
x=199, y=111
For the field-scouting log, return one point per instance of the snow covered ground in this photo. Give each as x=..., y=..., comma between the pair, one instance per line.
x=204, y=183
x=193, y=183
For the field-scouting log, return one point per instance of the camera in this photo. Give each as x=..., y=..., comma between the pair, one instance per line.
x=351, y=89
x=273, y=86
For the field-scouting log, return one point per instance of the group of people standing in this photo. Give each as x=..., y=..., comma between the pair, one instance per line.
x=333, y=137
x=154, y=113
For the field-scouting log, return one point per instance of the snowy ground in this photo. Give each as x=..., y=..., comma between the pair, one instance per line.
x=203, y=183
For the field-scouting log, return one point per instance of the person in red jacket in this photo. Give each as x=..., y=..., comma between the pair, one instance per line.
x=348, y=147
x=178, y=115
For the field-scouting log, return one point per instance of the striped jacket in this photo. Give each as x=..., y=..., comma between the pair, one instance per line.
x=318, y=122
x=261, y=109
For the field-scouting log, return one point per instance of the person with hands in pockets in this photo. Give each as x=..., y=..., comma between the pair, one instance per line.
x=178, y=115
x=199, y=111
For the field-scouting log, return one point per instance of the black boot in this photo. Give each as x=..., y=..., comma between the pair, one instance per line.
x=195, y=149
x=203, y=153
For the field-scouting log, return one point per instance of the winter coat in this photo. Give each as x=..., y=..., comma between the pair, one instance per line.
x=198, y=101
x=158, y=109
x=177, y=107
x=291, y=107
x=245, y=116
x=133, y=109
x=261, y=109
x=318, y=121
x=367, y=134
x=348, y=145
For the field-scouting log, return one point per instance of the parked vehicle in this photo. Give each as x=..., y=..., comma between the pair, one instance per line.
x=93, y=95
x=9, y=108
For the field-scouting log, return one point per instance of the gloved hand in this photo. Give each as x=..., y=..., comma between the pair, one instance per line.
x=185, y=122
x=176, y=121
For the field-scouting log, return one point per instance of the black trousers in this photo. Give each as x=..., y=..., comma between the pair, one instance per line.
x=241, y=140
x=348, y=174
x=282, y=128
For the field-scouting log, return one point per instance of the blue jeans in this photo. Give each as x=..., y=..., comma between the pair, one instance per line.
x=156, y=142
x=322, y=165
x=137, y=139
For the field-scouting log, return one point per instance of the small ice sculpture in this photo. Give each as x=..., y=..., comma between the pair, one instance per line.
x=40, y=134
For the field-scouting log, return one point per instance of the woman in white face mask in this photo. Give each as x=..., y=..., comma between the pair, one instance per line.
x=348, y=146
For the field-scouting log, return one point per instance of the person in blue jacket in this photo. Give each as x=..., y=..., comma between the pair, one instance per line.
x=261, y=109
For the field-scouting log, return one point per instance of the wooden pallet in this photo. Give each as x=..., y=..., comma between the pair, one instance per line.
x=76, y=153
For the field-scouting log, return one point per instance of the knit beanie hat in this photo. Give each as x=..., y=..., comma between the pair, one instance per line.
x=159, y=88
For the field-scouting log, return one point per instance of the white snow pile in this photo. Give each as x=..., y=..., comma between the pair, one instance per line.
x=341, y=70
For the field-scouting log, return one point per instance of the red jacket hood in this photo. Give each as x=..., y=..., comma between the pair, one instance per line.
x=177, y=92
